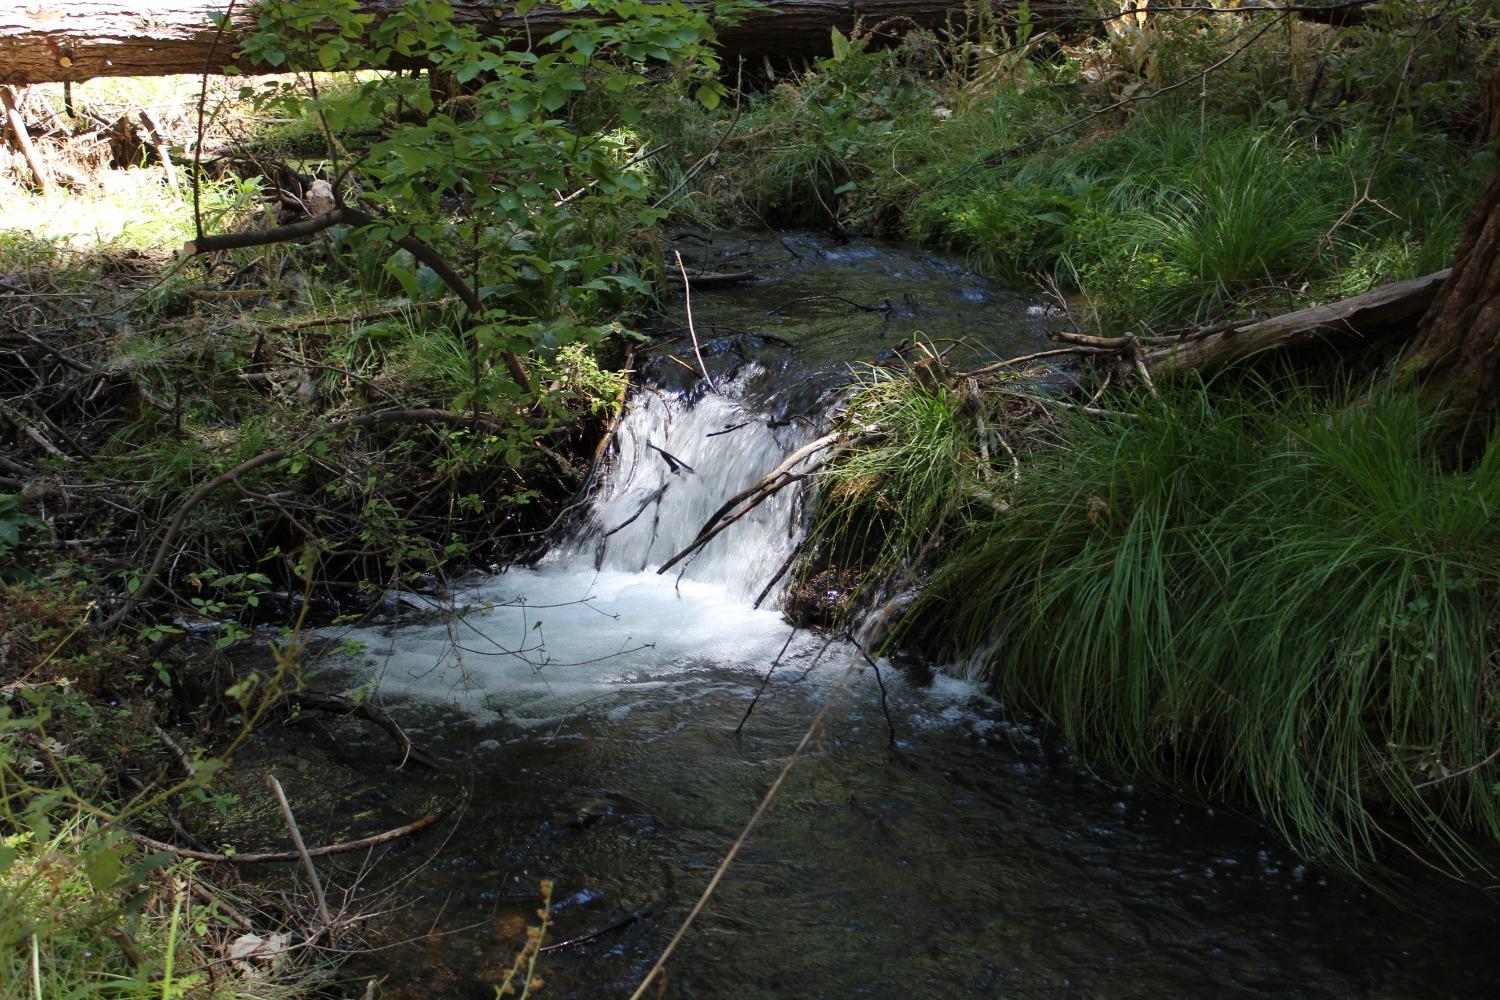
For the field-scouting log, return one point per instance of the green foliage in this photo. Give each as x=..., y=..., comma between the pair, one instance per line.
x=542, y=206
x=883, y=500
x=16, y=527
x=73, y=885
x=1292, y=602
x=1186, y=251
x=1318, y=162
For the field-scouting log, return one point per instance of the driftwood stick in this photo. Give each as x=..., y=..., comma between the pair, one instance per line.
x=158, y=141
x=712, y=279
x=184, y=761
x=201, y=893
x=755, y=494
x=23, y=141
x=282, y=856
x=687, y=306
x=1093, y=411
x=131, y=950
x=1012, y=362
x=885, y=706
x=307, y=862
x=340, y=705
x=786, y=564
x=733, y=518
x=766, y=680
x=791, y=461
x=1138, y=360
x=595, y=934
x=709, y=157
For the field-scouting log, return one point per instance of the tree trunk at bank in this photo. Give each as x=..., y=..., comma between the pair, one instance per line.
x=49, y=41
x=1456, y=354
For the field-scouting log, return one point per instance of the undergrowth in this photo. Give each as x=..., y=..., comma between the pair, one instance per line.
x=1307, y=167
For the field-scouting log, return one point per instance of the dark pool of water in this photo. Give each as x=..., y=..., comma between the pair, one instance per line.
x=974, y=860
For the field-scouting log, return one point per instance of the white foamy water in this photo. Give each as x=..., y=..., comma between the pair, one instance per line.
x=595, y=618
x=549, y=642
x=652, y=505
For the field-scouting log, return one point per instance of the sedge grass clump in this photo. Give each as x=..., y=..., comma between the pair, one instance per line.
x=1289, y=603
x=885, y=499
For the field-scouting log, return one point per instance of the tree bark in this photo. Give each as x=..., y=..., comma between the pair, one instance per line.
x=1456, y=354
x=46, y=41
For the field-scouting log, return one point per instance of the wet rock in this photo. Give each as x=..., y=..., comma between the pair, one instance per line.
x=823, y=599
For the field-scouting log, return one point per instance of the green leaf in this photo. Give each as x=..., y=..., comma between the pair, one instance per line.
x=554, y=97
x=407, y=279
x=102, y=866
x=840, y=45
x=708, y=95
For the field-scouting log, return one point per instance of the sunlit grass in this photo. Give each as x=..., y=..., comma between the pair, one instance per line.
x=126, y=210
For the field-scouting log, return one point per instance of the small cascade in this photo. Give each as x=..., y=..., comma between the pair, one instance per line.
x=679, y=458
x=594, y=623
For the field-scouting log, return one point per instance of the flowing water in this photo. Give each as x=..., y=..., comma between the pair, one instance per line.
x=589, y=709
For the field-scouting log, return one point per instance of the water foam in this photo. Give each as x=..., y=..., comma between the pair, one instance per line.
x=678, y=460
x=594, y=618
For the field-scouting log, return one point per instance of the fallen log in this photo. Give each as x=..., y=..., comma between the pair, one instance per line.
x=1366, y=317
x=55, y=41
x=58, y=41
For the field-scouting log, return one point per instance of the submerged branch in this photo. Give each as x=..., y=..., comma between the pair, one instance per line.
x=280, y=856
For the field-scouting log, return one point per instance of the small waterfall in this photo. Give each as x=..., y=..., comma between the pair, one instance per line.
x=593, y=626
x=678, y=460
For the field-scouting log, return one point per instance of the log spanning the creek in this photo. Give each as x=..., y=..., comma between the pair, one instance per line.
x=51, y=41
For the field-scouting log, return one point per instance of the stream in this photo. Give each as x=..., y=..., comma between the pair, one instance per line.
x=588, y=708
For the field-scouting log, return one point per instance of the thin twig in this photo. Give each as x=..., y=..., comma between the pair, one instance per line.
x=890, y=724
x=23, y=141
x=1012, y=362
x=307, y=862
x=1138, y=360
x=270, y=857
x=1459, y=774
x=687, y=305
x=766, y=680
x=703, y=161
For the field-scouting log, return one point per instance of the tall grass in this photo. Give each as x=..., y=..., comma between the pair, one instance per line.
x=69, y=911
x=1294, y=604
x=883, y=501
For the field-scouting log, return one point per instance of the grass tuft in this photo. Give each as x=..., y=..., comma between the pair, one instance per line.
x=1295, y=604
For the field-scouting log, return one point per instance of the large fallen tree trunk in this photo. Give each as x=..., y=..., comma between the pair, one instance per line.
x=53, y=41
x=1375, y=314
x=71, y=40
